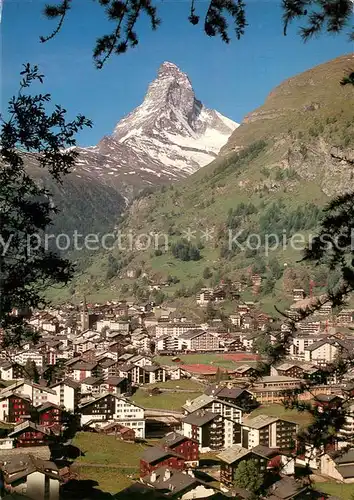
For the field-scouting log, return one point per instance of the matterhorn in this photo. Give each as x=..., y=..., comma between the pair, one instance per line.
x=168, y=137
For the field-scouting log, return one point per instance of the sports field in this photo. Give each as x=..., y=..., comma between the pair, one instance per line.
x=229, y=361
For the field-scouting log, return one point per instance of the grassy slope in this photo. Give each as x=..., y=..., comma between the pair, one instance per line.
x=165, y=400
x=120, y=458
x=339, y=490
x=310, y=111
x=188, y=384
x=102, y=449
x=109, y=480
x=278, y=410
x=203, y=359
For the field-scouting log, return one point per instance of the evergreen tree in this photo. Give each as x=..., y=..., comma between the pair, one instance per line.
x=158, y=297
x=55, y=372
x=184, y=250
x=268, y=286
x=259, y=266
x=332, y=16
x=207, y=273
x=249, y=476
x=218, y=375
x=112, y=267
x=210, y=311
x=275, y=268
x=25, y=206
x=31, y=371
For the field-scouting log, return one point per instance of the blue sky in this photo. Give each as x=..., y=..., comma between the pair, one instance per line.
x=234, y=78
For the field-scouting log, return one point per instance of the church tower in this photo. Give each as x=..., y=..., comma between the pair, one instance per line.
x=84, y=316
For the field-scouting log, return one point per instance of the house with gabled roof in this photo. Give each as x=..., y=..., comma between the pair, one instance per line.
x=82, y=369
x=272, y=432
x=154, y=457
x=178, y=484
x=339, y=465
x=14, y=406
x=115, y=385
x=216, y=405
x=231, y=457
x=186, y=446
x=28, y=433
x=238, y=396
x=327, y=350
x=288, y=488
x=10, y=371
x=109, y=408
x=36, y=478
x=91, y=385
x=36, y=392
x=49, y=415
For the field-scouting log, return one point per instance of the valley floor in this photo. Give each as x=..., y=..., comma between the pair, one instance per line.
x=114, y=464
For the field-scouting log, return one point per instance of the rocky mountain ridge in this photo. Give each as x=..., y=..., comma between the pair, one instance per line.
x=165, y=139
x=272, y=172
x=168, y=137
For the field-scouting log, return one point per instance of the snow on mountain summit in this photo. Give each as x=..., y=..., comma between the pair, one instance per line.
x=168, y=137
x=172, y=126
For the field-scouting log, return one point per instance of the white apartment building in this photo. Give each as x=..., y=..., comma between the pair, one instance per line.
x=141, y=342
x=37, y=393
x=66, y=394
x=174, y=328
x=111, y=408
x=50, y=327
x=117, y=326
x=7, y=371
x=22, y=357
x=268, y=431
x=167, y=343
x=299, y=344
x=205, y=296
x=347, y=430
x=236, y=319
x=322, y=352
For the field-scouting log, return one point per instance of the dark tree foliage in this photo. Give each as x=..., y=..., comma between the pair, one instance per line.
x=318, y=15
x=278, y=218
x=334, y=247
x=52, y=373
x=113, y=266
x=27, y=266
x=31, y=371
x=249, y=476
x=184, y=250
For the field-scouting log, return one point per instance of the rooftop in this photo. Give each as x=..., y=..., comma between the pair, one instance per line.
x=155, y=454
x=200, y=418
x=170, y=479
x=198, y=403
x=173, y=438
x=259, y=421
x=231, y=455
x=22, y=465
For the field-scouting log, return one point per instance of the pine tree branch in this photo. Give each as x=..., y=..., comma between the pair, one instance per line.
x=53, y=12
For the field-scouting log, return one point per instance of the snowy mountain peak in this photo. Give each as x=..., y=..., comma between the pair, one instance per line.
x=172, y=87
x=169, y=69
x=173, y=126
x=169, y=136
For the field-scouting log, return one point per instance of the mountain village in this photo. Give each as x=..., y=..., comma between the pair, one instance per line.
x=215, y=361
x=109, y=370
